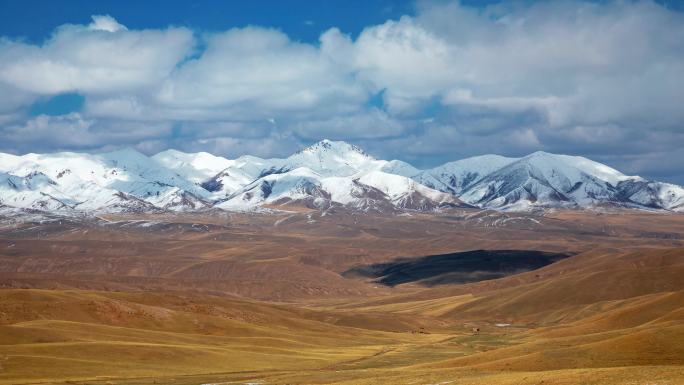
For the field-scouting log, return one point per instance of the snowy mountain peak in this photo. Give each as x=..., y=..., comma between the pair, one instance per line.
x=331, y=147
x=548, y=161
x=538, y=154
x=331, y=158
x=196, y=167
x=324, y=175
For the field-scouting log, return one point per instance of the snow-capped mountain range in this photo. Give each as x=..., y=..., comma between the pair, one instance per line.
x=324, y=175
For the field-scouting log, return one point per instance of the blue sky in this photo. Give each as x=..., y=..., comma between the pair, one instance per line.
x=426, y=82
x=301, y=20
x=35, y=20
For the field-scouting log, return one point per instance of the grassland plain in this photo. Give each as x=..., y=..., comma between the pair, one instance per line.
x=224, y=299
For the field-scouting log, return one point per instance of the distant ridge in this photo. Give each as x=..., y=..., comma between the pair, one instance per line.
x=327, y=174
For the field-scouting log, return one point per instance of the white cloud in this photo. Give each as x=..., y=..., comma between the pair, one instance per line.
x=581, y=63
x=73, y=131
x=409, y=62
x=106, y=23
x=98, y=59
x=373, y=124
x=572, y=76
x=254, y=71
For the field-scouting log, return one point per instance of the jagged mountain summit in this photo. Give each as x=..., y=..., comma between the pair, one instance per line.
x=325, y=175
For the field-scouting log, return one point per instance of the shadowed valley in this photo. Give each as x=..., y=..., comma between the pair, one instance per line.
x=456, y=268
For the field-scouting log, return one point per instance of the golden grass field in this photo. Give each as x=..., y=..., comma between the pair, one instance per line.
x=238, y=299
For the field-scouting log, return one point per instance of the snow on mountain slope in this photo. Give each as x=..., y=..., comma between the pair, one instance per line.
x=455, y=177
x=326, y=158
x=300, y=183
x=543, y=179
x=373, y=190
x=33, y=191
x=326, y=174
x=331, y=158
x=590, y=167
x=406, y=193
x=653, y=194
x=195, y=167
x=243, y=171
x=117, y=180
x=671, y=196
x=399, y=167
x=13, y=163
x=537, y=179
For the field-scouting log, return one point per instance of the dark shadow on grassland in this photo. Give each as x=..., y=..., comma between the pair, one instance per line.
x=456, y=268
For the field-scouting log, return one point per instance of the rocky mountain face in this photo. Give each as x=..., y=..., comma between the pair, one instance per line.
x=324, y=175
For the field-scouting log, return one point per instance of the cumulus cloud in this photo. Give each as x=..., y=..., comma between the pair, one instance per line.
x=598, y=79
x=105, y=23
x=409, y=62
x=103, y=57
x=75, y=132
x=273, y=144
x=579, y=63
x=257, y=72
x=372, y=124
